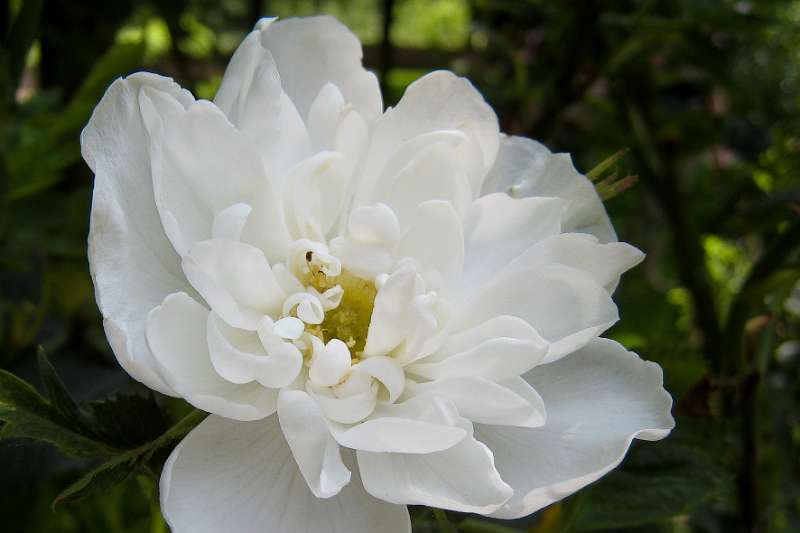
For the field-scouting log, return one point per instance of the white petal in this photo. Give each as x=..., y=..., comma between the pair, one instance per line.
x=229, y=223
x=266, y=226
x=393, y=313
x=462, y=478
x=251, y=96
x=598, y=400
x=314, y=449
x=176, y=333
x=330, y=363
x=287, y=281
x=351, y=139
x=356, y=383
x=315, y=195
x=387, y=371
x=236, y=281
x=307, y=307
x=132, y=262
x=536, y=416
x=500, y=326
x=202, y=166
x=323, y=117
x=253, y=485
x=434, y=174
x=250, y=90
x=415, y=426
x=486, y=402
x=374, y=224
x=347, y=409
x=406, y=150
x=495, y=360
x=499, y=228
x=437, y=101
x=311, y=52
x=526, y=168
x=289, y=327
x=436, y=240
x=239, y=356
x=603, y=262
x=564, y=305
x=364, y=260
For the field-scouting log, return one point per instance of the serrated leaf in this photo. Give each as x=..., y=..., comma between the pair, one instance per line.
x=99, y=480
x=128, y=421
x=18, y=394
x=20, y=426
x=60, y=398
x=28, y=415
x=118, y=469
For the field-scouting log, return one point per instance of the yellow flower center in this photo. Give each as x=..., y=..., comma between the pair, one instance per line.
x=349, y=322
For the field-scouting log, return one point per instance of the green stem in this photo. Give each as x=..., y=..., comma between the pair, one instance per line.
x=445, y=526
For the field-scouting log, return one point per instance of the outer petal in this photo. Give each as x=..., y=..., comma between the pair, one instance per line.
x=462, y=478
x=132, y=262
x=526, y=168
x=314, y=449
x=235, y=476
x=176, y=333
x=598, y=400
x=313, y=51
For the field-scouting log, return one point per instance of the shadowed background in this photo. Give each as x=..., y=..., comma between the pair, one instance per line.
x=704, y=96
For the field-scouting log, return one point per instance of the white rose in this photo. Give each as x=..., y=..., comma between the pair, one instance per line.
x=379, y=308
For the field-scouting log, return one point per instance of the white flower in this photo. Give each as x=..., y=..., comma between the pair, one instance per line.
x=379, y=308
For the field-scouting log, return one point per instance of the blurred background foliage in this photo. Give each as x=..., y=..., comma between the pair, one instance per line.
x=703, y=94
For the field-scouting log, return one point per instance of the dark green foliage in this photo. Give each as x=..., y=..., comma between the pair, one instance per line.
x=128, y=420
x=27, y=414
x=119, y=468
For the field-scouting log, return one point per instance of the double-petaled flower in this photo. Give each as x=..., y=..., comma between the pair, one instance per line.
x=378, y=307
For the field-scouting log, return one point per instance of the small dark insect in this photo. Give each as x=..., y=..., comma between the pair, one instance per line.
x=309, y=255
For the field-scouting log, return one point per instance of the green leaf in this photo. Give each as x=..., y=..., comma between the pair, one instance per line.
x=128, y=421
x=28, y=415
x=99, y=480
x=60, y=398
x=121, y=467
